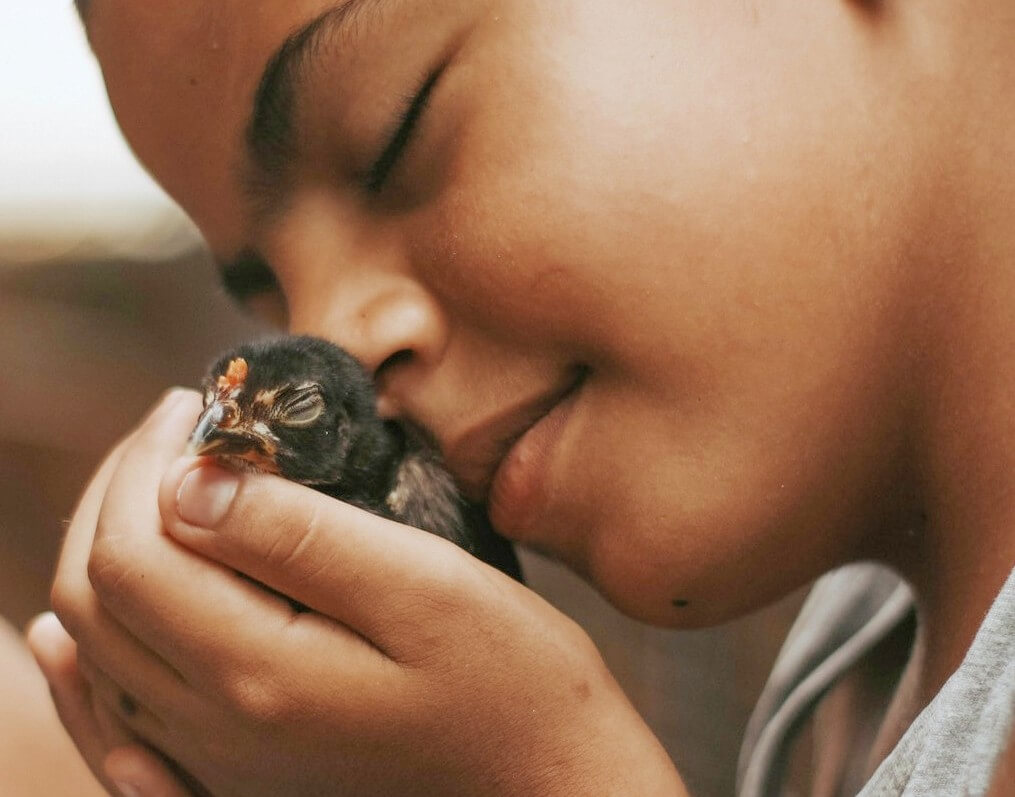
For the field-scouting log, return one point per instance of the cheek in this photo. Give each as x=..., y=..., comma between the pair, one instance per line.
x=527, y=255
x=734, y=310
x=587, y=203
x=726, y=508
x=533, y=228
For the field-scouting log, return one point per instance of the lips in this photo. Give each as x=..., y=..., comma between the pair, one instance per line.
x=474, y=456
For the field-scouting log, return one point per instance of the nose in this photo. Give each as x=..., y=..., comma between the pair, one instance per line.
x=349, y=277
x=388, y=321
x=384, y=323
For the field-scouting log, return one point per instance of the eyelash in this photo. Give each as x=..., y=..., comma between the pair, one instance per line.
x=399, y=140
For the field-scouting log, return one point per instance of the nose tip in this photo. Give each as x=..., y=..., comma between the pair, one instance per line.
x=399, y=328
x=387, y=329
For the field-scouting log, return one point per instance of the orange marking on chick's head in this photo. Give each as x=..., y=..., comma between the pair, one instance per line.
x=234, y=377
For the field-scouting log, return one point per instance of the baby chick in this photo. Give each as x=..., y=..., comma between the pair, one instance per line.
x=304, y=409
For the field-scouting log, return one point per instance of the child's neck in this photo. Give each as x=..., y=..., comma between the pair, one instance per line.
x=962, y=435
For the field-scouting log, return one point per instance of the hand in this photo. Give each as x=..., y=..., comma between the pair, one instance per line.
x=120, y=763
x=419, y=670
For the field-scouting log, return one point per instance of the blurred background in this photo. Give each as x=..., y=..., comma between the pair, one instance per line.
x=107, y=298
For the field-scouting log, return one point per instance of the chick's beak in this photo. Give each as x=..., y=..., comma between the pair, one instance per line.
x=208, y=434
x=221, y=433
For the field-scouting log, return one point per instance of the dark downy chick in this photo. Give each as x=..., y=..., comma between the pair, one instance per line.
x=304, y=409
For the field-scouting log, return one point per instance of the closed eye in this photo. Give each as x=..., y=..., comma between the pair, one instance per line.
x=247, y=276
x=304, y=408
x=404, y=129
x=252, y=284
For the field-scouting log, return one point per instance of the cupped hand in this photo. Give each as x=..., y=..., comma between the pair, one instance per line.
x=121, y=763
x=272, y=640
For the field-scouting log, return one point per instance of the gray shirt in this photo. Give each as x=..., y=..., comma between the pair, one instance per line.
x=952, y=746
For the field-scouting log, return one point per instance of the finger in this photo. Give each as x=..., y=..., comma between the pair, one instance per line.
x=114, y=731
x=142, y=673
x=117, y=711
x=219, y=630
x=70, y=581
x=130, y=502
x=131, y=725
x=101, y=638
x=362, y=570
x=136, y=770
x=72, y=594
x=86, y=513
x=56, y=655
x=98, y=634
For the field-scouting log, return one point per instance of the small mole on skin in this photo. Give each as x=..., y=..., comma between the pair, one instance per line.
x=583, y=690
x=127, y=705
x=193, y=81
x=680, y=603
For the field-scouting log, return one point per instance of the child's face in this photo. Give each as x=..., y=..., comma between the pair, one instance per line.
x=675, y=226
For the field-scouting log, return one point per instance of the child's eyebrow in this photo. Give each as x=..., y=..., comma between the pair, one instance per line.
x=271, y=135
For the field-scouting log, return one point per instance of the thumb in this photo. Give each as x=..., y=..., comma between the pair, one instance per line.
x=335, y=558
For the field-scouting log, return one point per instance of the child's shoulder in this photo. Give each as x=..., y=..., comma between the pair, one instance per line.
x=849, y=616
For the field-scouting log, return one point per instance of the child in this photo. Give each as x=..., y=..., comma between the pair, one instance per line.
x=704, y=300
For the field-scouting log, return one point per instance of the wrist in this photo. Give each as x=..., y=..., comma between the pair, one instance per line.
x=609, y=752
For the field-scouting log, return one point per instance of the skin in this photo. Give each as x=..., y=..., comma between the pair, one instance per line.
x=775, y=238
x=39, y=758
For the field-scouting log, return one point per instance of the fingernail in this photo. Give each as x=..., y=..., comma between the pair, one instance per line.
x=205, y=496
x=127, y=789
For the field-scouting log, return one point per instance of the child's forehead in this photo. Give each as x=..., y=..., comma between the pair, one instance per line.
x=185, y=79
x=180, y=78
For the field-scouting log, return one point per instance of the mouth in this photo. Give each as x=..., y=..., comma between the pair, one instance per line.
x=477, y=456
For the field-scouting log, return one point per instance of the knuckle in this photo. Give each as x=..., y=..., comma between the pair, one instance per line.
x=258, y=698
x=425, y=605
x=291, y=546
x=429, y=619
x=70, y=599
x=113, y=566
x=105, y=567
x=61, y=596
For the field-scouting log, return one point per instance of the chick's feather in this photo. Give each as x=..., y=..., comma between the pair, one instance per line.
x=304, y=409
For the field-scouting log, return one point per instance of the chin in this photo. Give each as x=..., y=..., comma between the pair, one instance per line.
x=653, y=603
x=668, y=605
x=683, y=581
